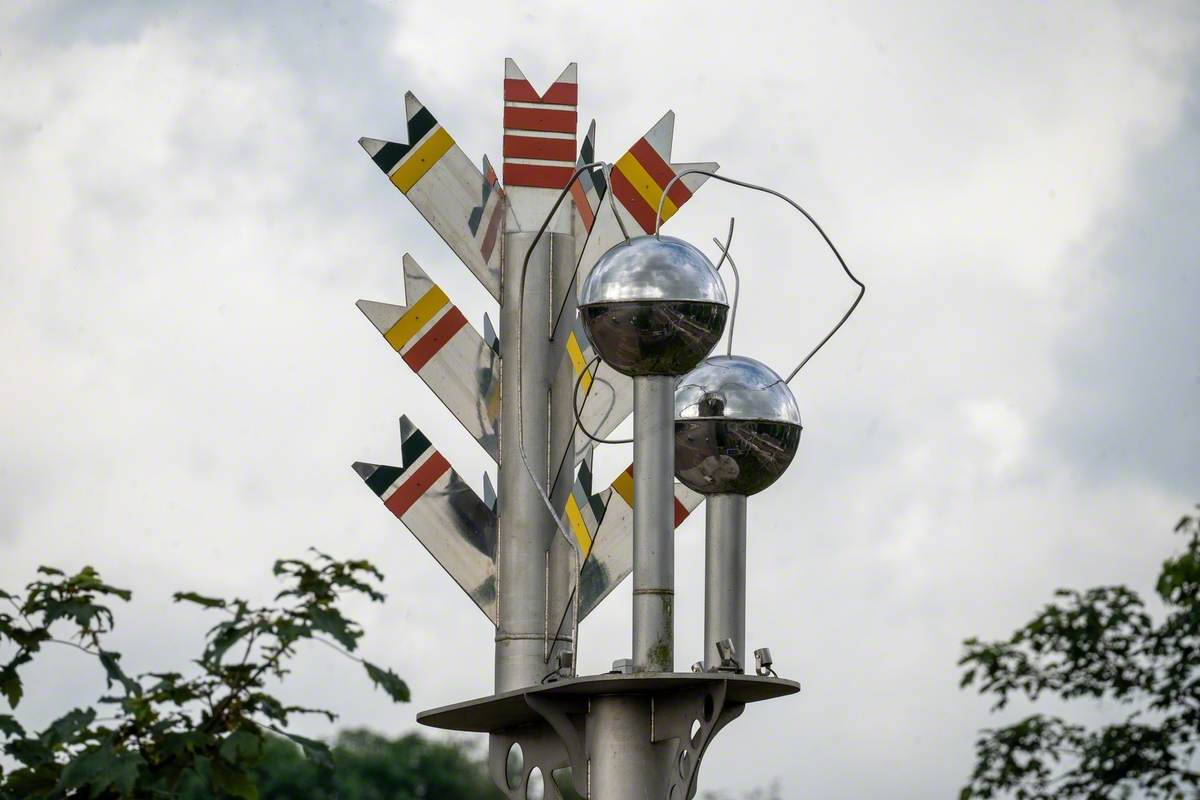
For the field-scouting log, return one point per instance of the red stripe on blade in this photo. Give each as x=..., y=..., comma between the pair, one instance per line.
x=428, y=345
x=538, y=147
x=416, y=485
x=546, y=120
x=536, y=175
x=521, y=91
x=493, y=230
x=633, y=202
x=579, y=195
x=681, y=512
x=660, y=170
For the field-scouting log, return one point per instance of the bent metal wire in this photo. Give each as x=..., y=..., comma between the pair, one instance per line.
x=862, y=289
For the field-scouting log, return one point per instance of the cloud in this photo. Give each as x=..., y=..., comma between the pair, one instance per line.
x=187, y=222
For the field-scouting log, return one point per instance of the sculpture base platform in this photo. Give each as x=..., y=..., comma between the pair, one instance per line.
x=623, y=736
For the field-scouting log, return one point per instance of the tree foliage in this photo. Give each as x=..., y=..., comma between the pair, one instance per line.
x=367, y=766
x=162, y=730
x=1101, y=645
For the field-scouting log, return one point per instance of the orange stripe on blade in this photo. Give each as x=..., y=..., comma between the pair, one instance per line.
x=412, y=489
x=428, y=345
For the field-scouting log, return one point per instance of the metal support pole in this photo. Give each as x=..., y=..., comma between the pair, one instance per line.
x=724, y=576
x=562, y=598
x=525, y=527
x=624, y=764
x=654, y=524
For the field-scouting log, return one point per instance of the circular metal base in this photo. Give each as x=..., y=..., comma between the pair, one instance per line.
x=510, y=709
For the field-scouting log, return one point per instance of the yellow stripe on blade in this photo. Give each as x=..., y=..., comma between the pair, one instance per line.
x=645, y=185
x=417, y=317
x=414, y=166
x=624, y=486
x=579, y=363
x=578, y=527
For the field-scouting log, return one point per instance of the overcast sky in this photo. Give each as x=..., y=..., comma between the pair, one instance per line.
x=186, y=220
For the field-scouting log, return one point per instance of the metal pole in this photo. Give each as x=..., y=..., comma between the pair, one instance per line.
x=653, y=524
x=564, y=564
x=724, y=576
x=624, y=764
x=525, y=527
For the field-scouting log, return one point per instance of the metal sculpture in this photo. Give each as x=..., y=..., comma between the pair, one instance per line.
x=599, y=315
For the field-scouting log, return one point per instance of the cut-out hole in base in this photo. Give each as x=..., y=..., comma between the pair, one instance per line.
x=564, y=779
x=514, y=766
x=535, y=787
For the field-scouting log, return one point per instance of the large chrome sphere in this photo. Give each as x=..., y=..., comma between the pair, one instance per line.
x=737, y=426
x=653, y=306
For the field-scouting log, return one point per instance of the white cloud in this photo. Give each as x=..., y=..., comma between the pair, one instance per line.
x=186, y=380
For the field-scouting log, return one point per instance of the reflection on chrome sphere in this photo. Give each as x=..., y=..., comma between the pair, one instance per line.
x=653, y=306
x=737, y=426
x=726, y=456
x=661, y=337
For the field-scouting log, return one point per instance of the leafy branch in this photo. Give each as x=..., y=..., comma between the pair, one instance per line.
x=1100, y=644
x=164, y=727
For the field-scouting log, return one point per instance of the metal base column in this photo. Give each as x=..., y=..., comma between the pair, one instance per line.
x=724, y=576
x=654, y=523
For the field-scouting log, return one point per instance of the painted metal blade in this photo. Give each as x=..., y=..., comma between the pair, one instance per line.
x=602, y=525
x=436, y=341
x=539, y=141
x=464, y=205
x=638, y=179
x=443, y=512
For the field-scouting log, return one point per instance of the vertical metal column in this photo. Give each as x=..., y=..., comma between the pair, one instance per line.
x=654, y=524
x=724, y=576
x=624, y=764
x=564, y=566
x=525, y=526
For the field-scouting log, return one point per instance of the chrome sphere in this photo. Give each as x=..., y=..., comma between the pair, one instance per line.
x=653, y=306
x=737, y=426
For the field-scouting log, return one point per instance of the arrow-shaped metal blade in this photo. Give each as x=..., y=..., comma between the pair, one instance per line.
x=587, y=191
x=603, y=528
x=442, y=511
x=447, y=353
x=464, y=205
x=638, y=180
x=539, y=140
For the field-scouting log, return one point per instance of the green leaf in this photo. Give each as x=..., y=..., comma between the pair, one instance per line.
x=244, y=747
x=199, y=599
x=332, y=622
x=86, y=767
x=10, y=685
x=389, y=681
x=67, y=728
x=316, y=751
x=10, y=727
x=114, y=673
x=123, y=774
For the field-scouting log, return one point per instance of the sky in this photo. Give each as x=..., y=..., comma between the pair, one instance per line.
x=186, y=221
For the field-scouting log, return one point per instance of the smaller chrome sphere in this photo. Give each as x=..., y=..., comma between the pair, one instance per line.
x=737, y=426
x=653, y=306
